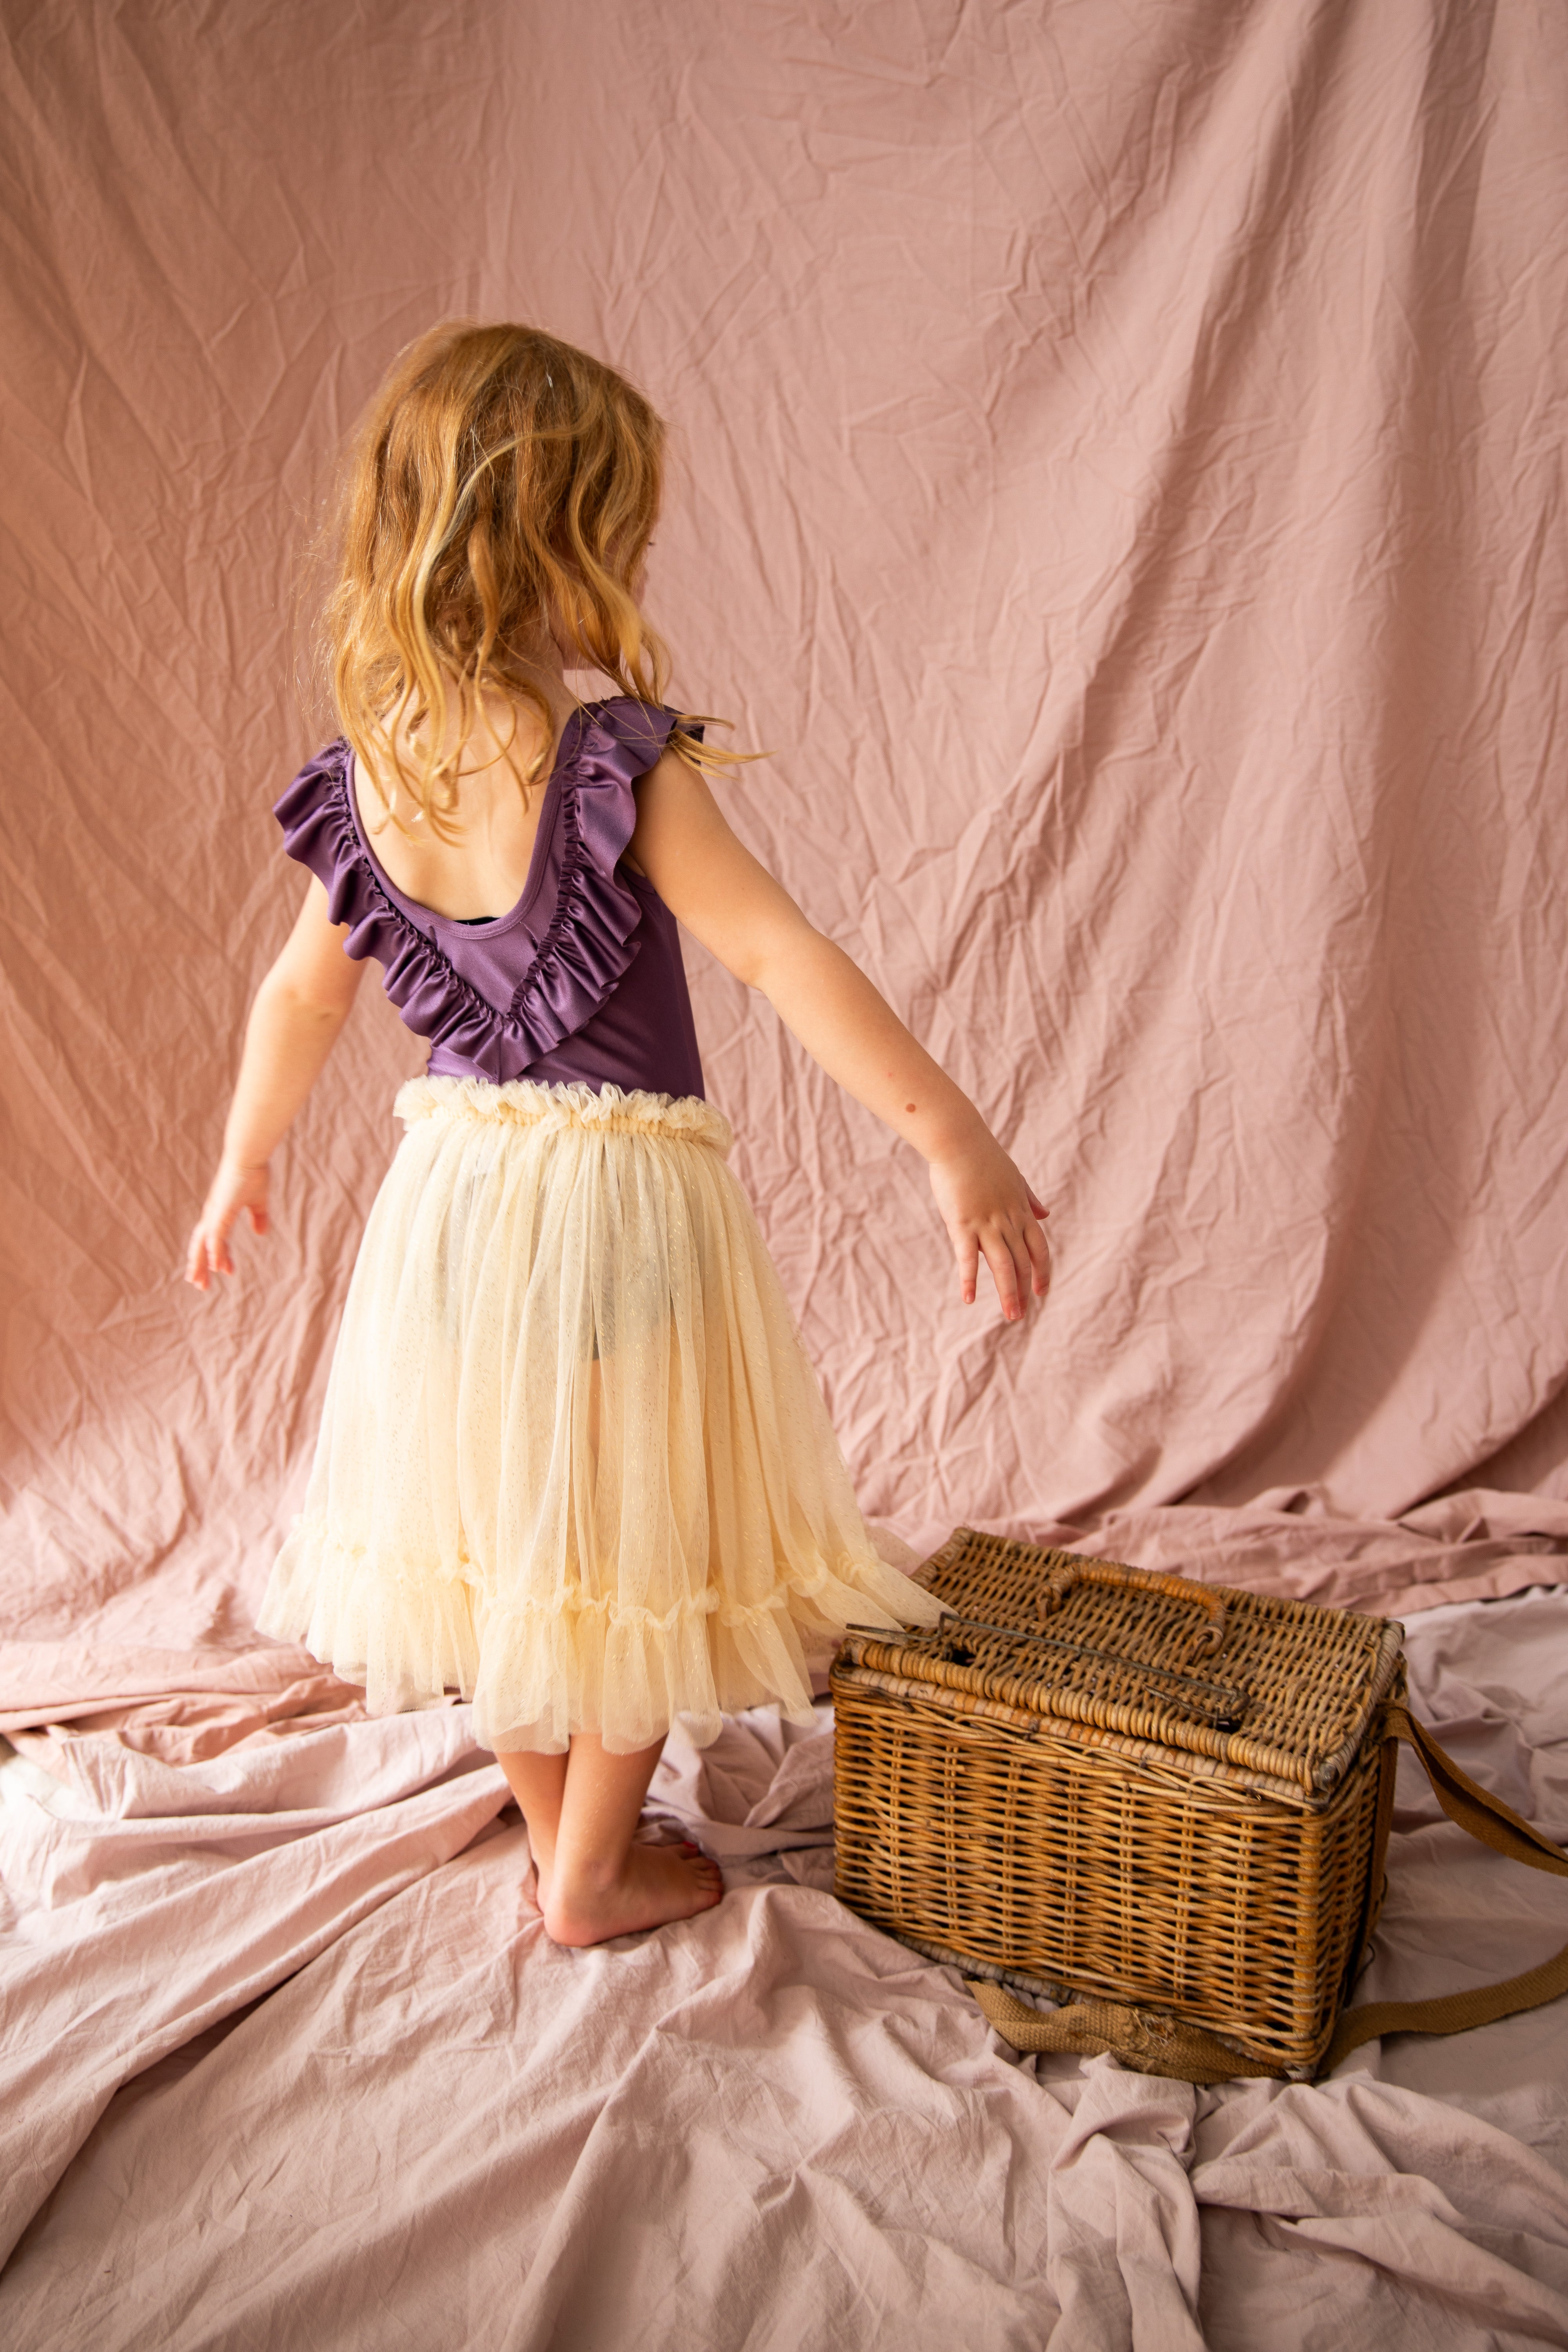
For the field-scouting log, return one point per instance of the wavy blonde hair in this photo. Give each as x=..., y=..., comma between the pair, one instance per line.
x=503, y=483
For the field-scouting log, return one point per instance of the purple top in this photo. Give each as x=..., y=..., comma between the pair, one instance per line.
x=582, y=979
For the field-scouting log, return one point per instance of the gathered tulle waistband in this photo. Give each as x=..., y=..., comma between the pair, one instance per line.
x=558, y=1107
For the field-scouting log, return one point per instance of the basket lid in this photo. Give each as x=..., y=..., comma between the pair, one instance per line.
x=1282, y=1689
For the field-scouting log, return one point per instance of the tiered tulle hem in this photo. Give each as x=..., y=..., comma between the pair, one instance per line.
x=573, y=1464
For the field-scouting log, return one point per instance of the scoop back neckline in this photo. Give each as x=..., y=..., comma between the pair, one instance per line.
x=477, y=926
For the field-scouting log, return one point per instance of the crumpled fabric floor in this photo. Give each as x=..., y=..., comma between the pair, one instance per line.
x=289, y=2061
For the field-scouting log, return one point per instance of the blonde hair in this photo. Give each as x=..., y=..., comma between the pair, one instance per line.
x=501, y=483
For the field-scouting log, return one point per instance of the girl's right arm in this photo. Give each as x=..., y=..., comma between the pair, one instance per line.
x=294, y=1022
x=736, y=908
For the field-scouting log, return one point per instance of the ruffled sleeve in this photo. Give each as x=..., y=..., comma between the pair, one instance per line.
x=592, y=937
x=319, y=830
x=591, y=940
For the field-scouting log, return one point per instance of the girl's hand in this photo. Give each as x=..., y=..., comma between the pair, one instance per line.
x=233, y=1188
x=990, y=1213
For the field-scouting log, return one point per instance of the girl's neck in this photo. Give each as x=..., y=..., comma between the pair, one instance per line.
x=502, y=725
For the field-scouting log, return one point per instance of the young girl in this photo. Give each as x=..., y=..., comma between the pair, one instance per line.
x=572, y=1462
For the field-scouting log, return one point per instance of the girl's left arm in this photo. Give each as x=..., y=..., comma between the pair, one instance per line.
x=733, y=905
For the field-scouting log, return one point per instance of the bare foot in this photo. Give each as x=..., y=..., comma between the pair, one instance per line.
x=656, y=1885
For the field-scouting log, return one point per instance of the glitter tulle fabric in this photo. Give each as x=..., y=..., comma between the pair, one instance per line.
x=574, y=1462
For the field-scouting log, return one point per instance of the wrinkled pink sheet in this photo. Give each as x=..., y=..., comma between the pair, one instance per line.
x=287, y=2060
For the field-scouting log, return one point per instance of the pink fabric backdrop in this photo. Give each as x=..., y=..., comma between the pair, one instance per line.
x=1118, y=469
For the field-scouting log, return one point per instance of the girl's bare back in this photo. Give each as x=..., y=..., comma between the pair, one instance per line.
x=483, y=871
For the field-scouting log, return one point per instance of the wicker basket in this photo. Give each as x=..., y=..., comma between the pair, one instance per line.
x=1165, y=1802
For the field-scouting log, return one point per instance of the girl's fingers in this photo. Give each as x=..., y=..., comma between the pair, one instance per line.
x=1015, y=1250
x=209, y=1251
x=208, y=1256
x=1004, y=1274
x=1023, y=1273
x=1039, y=1251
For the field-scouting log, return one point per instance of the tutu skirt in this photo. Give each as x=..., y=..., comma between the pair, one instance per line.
x=574, y=1462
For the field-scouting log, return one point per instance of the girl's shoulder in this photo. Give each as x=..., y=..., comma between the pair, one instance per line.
x=636, y=726
x=604, y=745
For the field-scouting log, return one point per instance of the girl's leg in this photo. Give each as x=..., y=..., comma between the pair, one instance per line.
x=539, y=1783
x=582, y=1811
x=597, y=1883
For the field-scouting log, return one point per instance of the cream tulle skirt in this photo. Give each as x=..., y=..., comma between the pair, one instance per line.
x=574, y=1461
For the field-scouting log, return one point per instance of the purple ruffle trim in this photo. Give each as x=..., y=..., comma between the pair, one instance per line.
x=592, y=936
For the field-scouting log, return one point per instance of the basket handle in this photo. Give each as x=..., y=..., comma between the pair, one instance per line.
x=1062, y=1580
x=1495, y=1825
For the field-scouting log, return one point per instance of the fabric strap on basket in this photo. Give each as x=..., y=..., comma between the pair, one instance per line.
x=1155, y=2044
x=1152, y=2044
